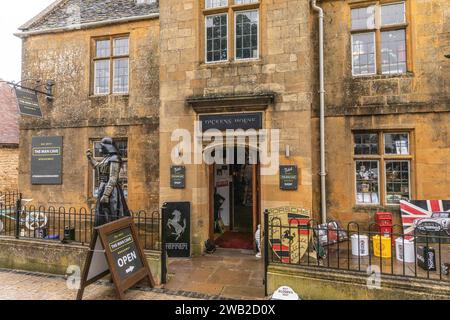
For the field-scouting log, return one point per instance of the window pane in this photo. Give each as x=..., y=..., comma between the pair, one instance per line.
x=367, y=182
x=216, y=3
x=393, y=52
x=247, y=34
x=101, y=77
x=120, y=75
x=396, y=143
x=363, y=53
x=366, y=143
x=122, y=147
x=363, y=18
x=397, y=181
x=97, y=149
x=393, y=13
x=216, y=38
x=102, y=48
x=121, y=47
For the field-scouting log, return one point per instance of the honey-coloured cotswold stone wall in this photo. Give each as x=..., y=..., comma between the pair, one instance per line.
x=285, y=68
x=81, y=117
x=9, y=168
x=417, y=102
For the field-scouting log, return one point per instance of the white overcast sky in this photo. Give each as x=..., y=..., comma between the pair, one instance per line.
x=12, y=15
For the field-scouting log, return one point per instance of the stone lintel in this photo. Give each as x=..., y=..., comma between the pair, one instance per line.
x=231, y=103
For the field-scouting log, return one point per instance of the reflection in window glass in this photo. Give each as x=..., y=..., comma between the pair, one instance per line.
x=397, y=181
x=247, y=35
x=121, y=46
x=101, y=77
x=363, y=18
x=120, y=81
x=393, y=14
x=393, y=52
x=216, y=3
x=396, y=143
x=216, y=38
x=367, y=173
x=366, y=143
x=102, y=48
x=363, y=53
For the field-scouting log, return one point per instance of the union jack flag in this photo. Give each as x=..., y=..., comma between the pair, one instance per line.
x=418, y=209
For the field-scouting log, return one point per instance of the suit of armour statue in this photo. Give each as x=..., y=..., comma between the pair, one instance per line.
x=111, y=203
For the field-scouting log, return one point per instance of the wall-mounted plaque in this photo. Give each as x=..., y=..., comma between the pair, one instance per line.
x=234, y=121
x=46, y=160
x=177, y=229
x=288, y=177
x=28, y=103
x=178, y=177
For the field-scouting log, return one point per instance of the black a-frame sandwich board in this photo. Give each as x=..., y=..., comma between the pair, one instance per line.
x=115, y=250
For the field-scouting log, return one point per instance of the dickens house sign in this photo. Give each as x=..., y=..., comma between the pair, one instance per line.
x=233, y=121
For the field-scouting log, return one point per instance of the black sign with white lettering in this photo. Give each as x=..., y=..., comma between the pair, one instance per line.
x=288, y=177
x=46, y=160
x=115, y=249
x=233, y=121
x=124, y=252
x=177, y=229
x=178, y=177
x=28, y=103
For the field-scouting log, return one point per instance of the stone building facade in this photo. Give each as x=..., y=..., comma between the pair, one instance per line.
x=64, y=44
x=412, y=100
x=9, y=139
x=277, y=82
x=387, y=101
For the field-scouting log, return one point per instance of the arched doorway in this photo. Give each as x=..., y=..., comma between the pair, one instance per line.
x=234, y=199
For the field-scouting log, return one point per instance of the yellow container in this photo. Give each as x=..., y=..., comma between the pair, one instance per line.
x=382, y=248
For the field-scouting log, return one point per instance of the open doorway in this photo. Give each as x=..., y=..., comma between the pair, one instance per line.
x=234, y=194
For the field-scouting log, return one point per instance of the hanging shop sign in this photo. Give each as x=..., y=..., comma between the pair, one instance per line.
x=288, y=177
x=177, y=229
x=46, y=160
x=233, y=121
x=178, y=177
x=115, y=250
x=28, y=102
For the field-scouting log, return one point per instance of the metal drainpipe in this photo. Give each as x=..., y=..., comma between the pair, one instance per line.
x=323, y=172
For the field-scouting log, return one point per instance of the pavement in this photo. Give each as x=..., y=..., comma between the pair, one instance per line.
x=22, y=285
x=227, y=274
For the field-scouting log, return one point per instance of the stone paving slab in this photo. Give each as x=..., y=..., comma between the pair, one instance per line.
x=22, y=285
x=230, y=273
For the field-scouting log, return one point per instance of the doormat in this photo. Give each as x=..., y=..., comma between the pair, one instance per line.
x=235, y=240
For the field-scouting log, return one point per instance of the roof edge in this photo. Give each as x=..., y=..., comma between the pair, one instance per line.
x=87, y=25
x=42, y=14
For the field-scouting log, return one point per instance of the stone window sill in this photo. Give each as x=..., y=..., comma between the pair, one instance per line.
x=384, y=76
x=222, y=64
x=99, y=96
x=377, y=207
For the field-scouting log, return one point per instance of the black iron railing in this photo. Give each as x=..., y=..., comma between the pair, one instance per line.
x=69, y=225
x=9, y=198
x=421, y=254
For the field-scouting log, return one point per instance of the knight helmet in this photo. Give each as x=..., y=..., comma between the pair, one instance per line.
x=108, y=146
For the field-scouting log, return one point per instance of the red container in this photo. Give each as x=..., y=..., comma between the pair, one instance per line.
x=383, y=216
